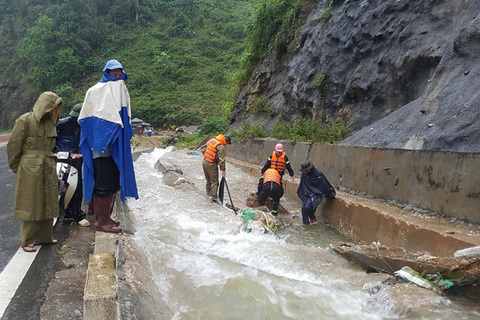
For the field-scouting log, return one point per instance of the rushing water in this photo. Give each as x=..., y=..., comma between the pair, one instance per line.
x=206, y=269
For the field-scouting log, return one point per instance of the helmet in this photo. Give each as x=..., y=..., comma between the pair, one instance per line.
x=228, y=139
x=279, y=147
x=76, y=110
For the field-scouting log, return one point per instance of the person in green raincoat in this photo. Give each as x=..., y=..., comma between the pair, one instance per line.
x=30, y=156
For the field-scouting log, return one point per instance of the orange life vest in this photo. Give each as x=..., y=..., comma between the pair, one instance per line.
x=278, y=163
x=271, y=175
x=210, y=153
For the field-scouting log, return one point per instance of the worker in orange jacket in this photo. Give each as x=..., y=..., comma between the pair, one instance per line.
x=270, y=186
x=214, y=157
x=279, y=162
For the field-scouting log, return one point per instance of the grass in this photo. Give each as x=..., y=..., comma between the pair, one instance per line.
x=134, y=143
x=250, y=131
x=325, y=14
x=262, y=105
x=320, y=81
x=189, y=140
x=301, y=129
x=64, y=250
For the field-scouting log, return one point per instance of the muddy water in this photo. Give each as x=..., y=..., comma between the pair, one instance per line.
x=206, y=269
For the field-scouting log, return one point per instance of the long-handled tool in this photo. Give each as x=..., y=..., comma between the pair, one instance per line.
x=222, y=183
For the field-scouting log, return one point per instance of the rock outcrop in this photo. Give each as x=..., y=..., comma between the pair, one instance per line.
x=405, y=74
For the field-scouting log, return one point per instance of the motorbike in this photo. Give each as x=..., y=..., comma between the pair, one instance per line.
x=68, y=180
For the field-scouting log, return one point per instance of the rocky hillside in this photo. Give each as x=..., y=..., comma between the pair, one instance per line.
x=406, y=74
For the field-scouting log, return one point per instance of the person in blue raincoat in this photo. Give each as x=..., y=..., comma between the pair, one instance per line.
x=105, y=145
x=313, y=187
x=68, y=140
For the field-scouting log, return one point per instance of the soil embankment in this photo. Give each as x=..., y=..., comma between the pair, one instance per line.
x=4, y=138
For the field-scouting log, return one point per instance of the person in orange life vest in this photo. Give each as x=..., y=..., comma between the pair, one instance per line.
x=214, y=157
x=270, y=186
x=279, y=162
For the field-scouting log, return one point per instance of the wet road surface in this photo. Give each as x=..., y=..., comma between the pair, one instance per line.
x=29, y=295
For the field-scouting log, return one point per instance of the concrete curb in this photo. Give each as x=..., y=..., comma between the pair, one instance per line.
x=101, y=294
x=100, y=299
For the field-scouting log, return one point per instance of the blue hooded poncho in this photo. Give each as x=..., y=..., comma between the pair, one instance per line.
x=105, y=122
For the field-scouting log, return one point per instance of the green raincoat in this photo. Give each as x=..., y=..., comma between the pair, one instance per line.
x=30, y=156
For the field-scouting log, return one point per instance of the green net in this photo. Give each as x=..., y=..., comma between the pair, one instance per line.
x=248, y=214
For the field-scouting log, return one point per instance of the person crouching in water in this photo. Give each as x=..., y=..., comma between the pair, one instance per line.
x=214, y=157
x=105, y=145
x=270, y=186
x=313, y=187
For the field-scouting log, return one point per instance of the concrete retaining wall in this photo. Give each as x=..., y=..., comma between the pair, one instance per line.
x=443, y=182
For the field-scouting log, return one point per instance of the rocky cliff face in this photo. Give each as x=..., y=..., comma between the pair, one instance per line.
x=405, y=73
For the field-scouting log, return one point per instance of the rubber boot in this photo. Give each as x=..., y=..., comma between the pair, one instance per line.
x=103, y=210
x=112, y=204
x=91, y=206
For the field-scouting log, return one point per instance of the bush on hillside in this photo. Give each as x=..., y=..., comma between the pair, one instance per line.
x=267, y=19
x=262, y=105
x=336, y=130
x=250, y=131
x=213, y=125
x=281, y=130
x=307, y=129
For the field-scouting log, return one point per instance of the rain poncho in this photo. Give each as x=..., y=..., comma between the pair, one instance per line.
x=105, y=123
x=313, y=187
x=30, y=156
x=68, y=131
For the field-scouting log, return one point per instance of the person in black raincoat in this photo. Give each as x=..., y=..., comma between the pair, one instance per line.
x=313, y=187
x=68, y=139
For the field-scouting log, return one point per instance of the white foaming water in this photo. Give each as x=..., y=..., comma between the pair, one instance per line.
x=205, y=269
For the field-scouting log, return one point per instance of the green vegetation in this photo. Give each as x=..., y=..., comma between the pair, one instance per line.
x=320, y=81
x=63, y=251
x=213, y=125
x=179, y=54
x=134, y=142
x=301, y=129
x=261, y=105
x=189, y=140
x=250, y=131
x=325, y=14
x=274, y=24
x=185, y=59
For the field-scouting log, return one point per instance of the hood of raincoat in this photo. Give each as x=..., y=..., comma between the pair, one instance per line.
x=110, y=65
x=46, y=103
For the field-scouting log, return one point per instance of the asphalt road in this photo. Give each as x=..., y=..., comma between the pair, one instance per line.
x=9, y=227
x=29, y=296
